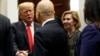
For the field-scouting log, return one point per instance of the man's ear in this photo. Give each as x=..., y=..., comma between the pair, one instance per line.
x=54, y=12
x=39, y=14
x=39, y=17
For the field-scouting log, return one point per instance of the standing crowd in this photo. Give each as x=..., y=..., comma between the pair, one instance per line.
x=48, y=36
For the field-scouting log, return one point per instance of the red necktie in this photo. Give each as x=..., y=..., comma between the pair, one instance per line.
x=29, y=38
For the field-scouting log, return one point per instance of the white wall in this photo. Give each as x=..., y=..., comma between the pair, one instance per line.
x=74, y=5
x=3, y=7
x=81, y=6
x=78, y=6
x=9, y=8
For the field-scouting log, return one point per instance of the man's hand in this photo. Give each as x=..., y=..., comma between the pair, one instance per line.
x=22, y=53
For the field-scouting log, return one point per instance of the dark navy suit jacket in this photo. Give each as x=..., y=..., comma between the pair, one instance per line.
x=20, y=38
x=89, y=42
x=6, y=46
x=51, y=40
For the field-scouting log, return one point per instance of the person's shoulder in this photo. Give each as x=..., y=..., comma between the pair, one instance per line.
x=89, y=30
x=89, y=27
x=4, y=18
x=77, y=32
x=16, y=24
x=37, y=24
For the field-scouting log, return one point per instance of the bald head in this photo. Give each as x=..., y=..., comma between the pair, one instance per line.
x=45, y=7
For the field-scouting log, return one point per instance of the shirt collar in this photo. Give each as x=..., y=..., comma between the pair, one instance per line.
x=26, y=23
x=47, y=21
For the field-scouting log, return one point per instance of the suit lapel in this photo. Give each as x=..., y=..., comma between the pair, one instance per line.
x=23, y=29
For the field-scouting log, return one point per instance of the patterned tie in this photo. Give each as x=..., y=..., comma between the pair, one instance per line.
x=29, y=38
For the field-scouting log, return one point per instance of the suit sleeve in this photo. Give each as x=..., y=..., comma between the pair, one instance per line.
x=14, y=39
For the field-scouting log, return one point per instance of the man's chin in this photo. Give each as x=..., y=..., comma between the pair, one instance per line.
x=30, y=20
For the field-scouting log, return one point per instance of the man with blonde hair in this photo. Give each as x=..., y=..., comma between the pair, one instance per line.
x=50, y=39
x=23, y=31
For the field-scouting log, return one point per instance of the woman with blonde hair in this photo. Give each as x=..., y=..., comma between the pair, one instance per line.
x=71, y=23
